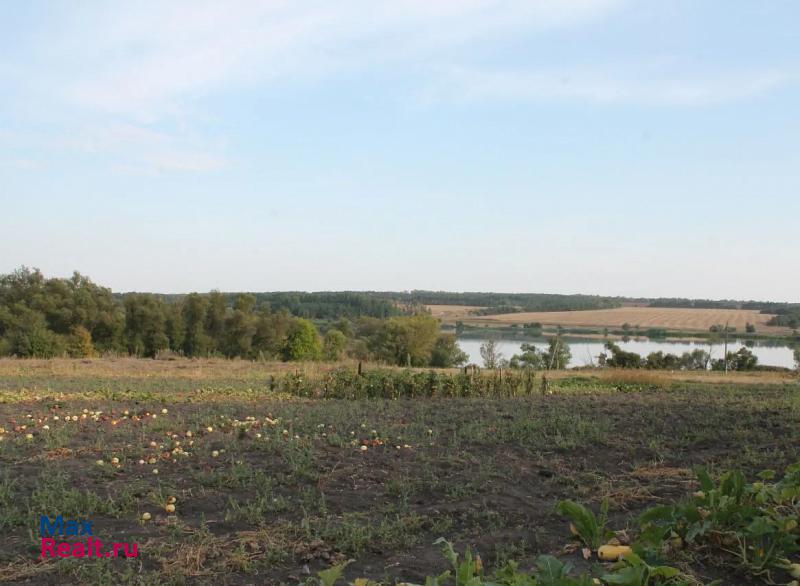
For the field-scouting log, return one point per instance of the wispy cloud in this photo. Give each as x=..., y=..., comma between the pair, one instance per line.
x=118, y=72
x=149, y=61
x=150, y=57
x=660, y=89
x=110, y=74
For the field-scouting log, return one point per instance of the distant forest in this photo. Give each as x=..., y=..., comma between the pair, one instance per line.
x=43, y=317
x=322, y=305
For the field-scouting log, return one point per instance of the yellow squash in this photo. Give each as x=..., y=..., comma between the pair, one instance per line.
x=611, y=553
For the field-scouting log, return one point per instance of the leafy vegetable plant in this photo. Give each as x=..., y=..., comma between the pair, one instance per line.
x=590, y=529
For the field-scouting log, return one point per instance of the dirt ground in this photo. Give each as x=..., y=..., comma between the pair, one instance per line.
x=297, y=485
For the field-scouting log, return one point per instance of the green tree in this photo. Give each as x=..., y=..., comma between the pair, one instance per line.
x=345, y=326
x=62, y=305
x=175, y=327
x=29, y=337
x=490, y=353
x=302, y=342
x=215, y=319
x=272, y=329
x=620, y=358
x=195, y=340
x=414, y=338
x=661, y=361
x=244, y=302
x=145, y=324
x=797, y=358
x=335, y=344
x=405, y=341
x=529, y=357
x=447, y=353
x=742, y=359
x=558, y=354
x=698, y=359
x=240, y=327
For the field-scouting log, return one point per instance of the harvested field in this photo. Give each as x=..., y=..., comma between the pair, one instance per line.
x=642, y=317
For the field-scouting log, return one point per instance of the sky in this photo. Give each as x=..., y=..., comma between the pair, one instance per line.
x=638, y=148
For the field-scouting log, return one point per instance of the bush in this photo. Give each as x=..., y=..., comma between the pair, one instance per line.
x=334, y=345
x=743, y=359
x=660, y=361
x=36, y=342
x=620, y=358
x=446, y=352
x=529, y=358
x=80, y=344
x=303, y=342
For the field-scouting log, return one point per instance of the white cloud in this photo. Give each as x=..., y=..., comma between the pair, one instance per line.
x=145, y=58
x=123, y=69
x=666, y=89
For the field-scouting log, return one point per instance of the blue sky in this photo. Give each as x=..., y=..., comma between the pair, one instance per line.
x=597, y=146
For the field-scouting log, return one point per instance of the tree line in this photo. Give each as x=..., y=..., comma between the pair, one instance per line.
x=320, y=305
x=557, y=355
x=505, y=302
x=47, y=317
x=697, y=359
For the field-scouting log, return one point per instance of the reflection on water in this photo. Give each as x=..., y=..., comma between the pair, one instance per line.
x=585, y=351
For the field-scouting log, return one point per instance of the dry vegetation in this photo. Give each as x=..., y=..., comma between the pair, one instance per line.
x=452, y=312
x=643, y=317
x=212, y=371
x=195, y=369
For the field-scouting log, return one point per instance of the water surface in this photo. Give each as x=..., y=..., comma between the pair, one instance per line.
x=586, y=350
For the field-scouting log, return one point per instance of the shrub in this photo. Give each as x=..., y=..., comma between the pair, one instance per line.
x=303, y=342
x=80, y=344
x=334, y=345
x=446, y=352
